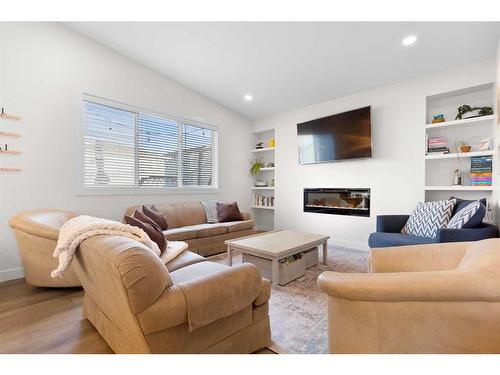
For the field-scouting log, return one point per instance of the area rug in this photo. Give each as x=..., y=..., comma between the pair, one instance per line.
x=298, y=310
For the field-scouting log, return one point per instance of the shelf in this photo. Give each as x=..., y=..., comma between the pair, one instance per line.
x=458, y=188
x=267, y=169
x=263, y=188
x=13, y=152
x=469, y=121
x=5, y=169
x=9, y=134
x=5, y=116
x=264, y=207
x=459, y=155
x=264, y=149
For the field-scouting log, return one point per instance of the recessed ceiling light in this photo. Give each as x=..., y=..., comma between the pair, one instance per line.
x=248, y=97
x=409, y=40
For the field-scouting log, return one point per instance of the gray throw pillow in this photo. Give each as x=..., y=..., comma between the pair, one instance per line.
x=210, y=210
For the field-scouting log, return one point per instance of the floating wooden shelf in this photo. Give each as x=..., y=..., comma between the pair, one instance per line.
x=9, y=134
x=467, y=121
x=6, y=169
x=13, y=152
x=5, y=116
x=452, y=155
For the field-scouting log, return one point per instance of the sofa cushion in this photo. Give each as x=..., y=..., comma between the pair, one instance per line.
x=428, y=217
x=470, y=216
x=209, y=230
x=186, y=258
x=145, y=219
x=381, y=239
x=234, y=226
x=195, y=271
x=180, y=234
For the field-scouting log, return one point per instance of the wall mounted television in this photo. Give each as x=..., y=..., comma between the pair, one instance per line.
x=345, y=135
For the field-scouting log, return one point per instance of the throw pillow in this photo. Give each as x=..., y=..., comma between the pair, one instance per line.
x=228, y=212
x=145, y=219
x=154, y=234
x=428, y=217
x=210, y=211
x=469, y=213
x=475, y=220
x=156, y=216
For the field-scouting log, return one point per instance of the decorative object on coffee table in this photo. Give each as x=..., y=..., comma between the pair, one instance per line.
x=267, y=249
x=476, y=111
x=438, y=118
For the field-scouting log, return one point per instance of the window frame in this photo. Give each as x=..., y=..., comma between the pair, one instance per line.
x=135, y=190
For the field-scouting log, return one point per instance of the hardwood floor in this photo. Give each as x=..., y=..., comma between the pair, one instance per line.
x=46, y=320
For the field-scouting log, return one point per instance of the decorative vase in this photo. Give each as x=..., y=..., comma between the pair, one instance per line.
x=465, y=148
x=271, y=143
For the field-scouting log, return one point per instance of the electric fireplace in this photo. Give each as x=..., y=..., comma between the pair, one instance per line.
x=354, y=202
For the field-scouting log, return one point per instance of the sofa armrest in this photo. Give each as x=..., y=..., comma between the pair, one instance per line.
x=467, y=234
x=454, y=285
x=391, y=223
x=432, y=257
x=218, y=295
x=246, y=215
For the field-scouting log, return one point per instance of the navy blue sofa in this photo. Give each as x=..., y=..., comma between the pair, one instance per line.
x=389, y=233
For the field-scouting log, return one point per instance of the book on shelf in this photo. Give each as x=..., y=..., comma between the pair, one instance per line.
x=481, y=168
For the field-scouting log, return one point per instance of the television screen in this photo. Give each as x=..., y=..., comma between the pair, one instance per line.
x=345, y=135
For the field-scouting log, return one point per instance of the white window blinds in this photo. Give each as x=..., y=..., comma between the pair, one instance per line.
x=126, y=148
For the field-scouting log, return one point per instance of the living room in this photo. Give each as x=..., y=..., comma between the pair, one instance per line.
x=303, y=188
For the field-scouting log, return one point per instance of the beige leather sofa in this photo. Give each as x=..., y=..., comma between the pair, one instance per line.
x=188, y=222
x=438, y=298
x=139, y=305
x=36, y=233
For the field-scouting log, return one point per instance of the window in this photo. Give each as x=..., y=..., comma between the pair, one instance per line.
x=129, y=148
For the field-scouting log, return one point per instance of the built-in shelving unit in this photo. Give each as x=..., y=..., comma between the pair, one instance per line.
x=5, y=146
x=459, y=155
x=263, y=200
x=439, y=168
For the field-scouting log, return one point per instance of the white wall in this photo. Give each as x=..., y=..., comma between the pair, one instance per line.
x=395, y=173
x=43, y=70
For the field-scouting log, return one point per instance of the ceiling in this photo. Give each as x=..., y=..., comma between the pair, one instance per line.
x=290, y=65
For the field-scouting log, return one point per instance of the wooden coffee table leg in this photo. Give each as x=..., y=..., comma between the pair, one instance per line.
x=229, y=255
x=275, y=271
x=325, y=248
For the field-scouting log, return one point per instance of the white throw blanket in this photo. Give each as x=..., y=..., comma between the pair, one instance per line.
x=79, y=228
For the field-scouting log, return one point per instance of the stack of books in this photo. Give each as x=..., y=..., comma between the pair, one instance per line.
x=481, y=170
x=437, y=145
x=262, y=201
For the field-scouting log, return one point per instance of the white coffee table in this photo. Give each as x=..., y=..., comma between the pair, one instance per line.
x=276, y=245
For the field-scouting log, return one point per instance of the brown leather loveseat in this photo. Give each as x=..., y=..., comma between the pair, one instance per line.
x=139, y=305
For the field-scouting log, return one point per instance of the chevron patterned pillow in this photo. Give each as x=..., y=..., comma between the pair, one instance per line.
x=428, y=217
x=462, y=217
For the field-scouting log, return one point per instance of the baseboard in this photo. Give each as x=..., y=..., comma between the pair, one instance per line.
x=351, y=244
x=11, y=274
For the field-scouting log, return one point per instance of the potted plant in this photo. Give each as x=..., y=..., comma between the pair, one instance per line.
x=464, y=147
x=256, y=165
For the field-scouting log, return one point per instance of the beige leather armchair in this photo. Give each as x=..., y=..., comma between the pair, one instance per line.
x=438, y=298
x=139, y=305
x=37, y=232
